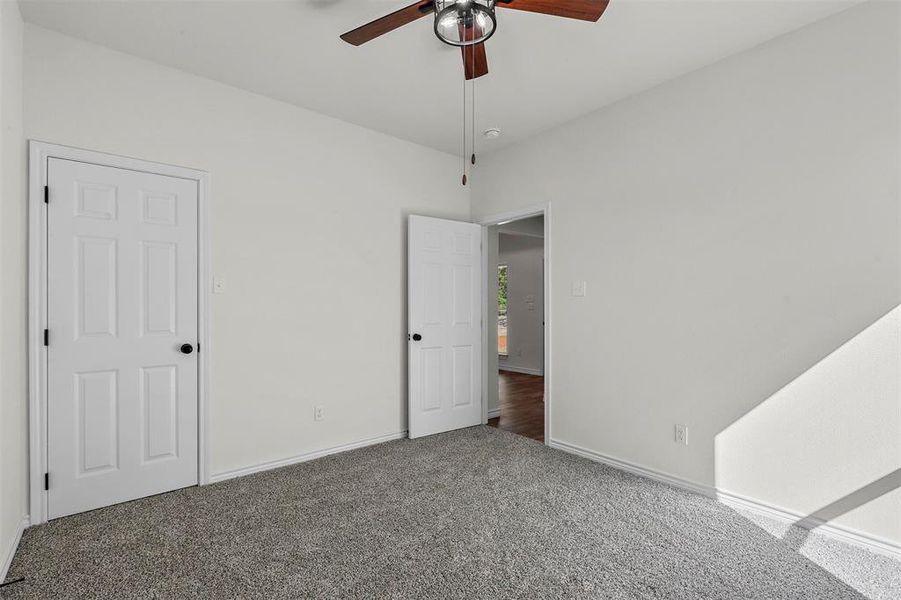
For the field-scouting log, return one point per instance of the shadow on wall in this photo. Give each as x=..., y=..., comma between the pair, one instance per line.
x=827, y=446
x=844, y=505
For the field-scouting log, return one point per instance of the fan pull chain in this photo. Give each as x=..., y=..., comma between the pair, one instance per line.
x=472, y=66
x=473, y=107
x=464, y=131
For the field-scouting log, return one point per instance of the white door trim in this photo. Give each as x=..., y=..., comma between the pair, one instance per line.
x=487, y=317
x=39, y=153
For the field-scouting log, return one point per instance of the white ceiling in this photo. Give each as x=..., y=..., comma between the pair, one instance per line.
x=543, y=70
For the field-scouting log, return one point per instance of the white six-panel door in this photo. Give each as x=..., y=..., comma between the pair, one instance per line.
x=444, y=304
x=122, y=408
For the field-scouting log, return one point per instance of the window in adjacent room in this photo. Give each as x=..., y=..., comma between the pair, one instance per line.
x=502, y=310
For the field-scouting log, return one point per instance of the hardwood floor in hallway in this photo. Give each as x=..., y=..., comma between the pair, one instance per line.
x=521, y=400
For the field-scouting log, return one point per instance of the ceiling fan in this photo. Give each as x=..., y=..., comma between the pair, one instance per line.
x=469, y=23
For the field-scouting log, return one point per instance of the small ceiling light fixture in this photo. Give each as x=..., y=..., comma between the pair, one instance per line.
x=492, y=133
x=464, y=22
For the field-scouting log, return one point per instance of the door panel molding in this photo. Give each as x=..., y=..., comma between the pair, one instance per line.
x=101, y=204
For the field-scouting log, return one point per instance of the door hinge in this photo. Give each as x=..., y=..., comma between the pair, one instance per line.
x=46, y=337
x=46, y=194
x=46, y=481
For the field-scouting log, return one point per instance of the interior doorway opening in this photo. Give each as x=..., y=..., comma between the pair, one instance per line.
x=515, y=381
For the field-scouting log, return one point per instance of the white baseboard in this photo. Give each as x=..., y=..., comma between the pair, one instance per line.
x=840, y=532
x=845, y=534
x=685, y=484
x=11, y=551
x=293, y=460
x=494, y=413
x=523, y=370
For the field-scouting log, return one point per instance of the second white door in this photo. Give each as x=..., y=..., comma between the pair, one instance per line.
x=445, y=336
x=122, y=394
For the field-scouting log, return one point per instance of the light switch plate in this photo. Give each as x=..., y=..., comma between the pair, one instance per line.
x=580, y=289
x=218, y=285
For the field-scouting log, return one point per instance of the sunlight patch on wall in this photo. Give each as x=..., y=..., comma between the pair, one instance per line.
x=827, y=446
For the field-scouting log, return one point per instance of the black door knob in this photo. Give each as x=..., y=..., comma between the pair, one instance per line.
x=187, y=348
x=416, y=337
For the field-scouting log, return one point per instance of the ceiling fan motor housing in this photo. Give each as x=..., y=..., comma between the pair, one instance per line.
x=464, y=22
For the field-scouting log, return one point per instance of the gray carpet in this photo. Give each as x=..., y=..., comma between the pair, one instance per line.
x=477, y=513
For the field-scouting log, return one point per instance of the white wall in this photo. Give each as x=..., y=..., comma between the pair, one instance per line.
x=523, y=255
x=13, y=395
x=308, y=229
x=735, y=226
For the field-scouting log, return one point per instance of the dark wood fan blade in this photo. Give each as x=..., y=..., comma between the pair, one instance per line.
x=585, y=10
x=398, y=18
x=475, y=61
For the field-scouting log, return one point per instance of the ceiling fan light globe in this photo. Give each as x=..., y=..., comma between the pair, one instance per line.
x=448, y=21
x=464, y=22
